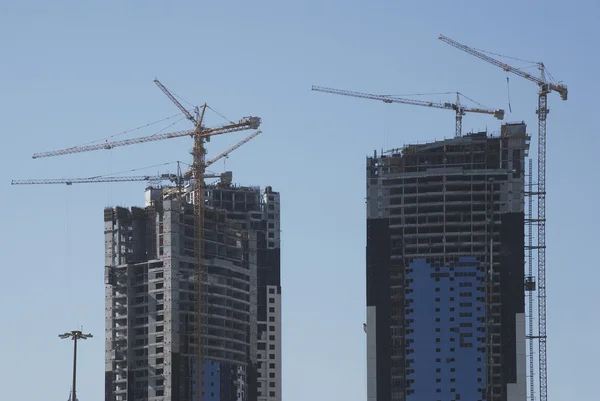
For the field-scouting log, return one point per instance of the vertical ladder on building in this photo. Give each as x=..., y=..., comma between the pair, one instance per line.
x=490, y=321
x=530, y=280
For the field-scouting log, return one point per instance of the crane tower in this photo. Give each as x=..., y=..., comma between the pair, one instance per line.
x=200, y=135
x=545, y=87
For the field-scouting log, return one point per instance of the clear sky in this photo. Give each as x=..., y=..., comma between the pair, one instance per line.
x=73, y=72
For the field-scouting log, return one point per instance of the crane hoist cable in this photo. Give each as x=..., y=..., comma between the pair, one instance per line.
x=508, y=89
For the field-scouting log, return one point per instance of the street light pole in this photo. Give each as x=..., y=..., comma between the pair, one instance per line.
x=75, y=335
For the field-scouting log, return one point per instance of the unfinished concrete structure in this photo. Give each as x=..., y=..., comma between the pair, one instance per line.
x=151, y=304
x=445, y=270
x=260, y=214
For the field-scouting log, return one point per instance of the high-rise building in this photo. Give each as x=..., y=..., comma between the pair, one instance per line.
x=445, y=270
x=151, y=306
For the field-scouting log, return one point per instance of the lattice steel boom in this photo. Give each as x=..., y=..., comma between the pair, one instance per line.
x=243, y=124
x=93, y=180
x=545, y=88
x=457, y=107
x=561, y=89
x=231, y=149
x=172, y=98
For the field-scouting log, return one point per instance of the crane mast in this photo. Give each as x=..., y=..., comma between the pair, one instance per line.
x=542, y=112
x=457, y=107
x=545, y=88
x=198, y=168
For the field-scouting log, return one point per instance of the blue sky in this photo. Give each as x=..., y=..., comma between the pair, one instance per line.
x=73, y=72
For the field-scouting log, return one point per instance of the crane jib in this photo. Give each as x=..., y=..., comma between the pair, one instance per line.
x=243, y=124
x=460, y=110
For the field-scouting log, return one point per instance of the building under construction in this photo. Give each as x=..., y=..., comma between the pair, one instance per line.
x=152, y=306
x=445, y=270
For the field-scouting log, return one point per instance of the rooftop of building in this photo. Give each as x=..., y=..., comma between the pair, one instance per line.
x=223, y=185
x=514, y=130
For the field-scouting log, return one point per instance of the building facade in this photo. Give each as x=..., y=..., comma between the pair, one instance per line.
x=151, y=309
x=260, y=213
x=445, y=270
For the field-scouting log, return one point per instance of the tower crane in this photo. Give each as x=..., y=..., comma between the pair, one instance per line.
x=545, y=87
x=457, y=107
x=200, y=134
